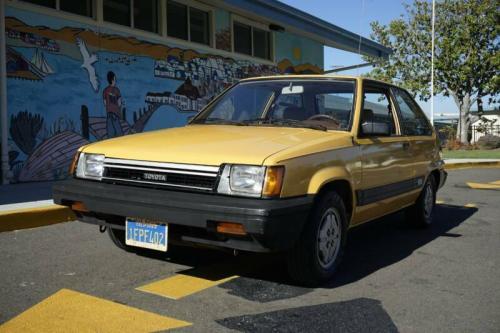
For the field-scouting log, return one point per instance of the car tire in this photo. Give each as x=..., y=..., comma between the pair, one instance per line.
x=319, y=250
x=422, y=212
x=118, y=238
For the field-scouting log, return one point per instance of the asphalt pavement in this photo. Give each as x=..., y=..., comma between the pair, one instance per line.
x=393, y=278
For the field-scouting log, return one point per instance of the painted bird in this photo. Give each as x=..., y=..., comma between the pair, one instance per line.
x=88, y=62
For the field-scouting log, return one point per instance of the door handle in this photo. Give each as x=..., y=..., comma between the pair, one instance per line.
x=406, y=145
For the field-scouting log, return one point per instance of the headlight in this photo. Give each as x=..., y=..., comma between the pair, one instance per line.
x=90, y=166
x=251, y=181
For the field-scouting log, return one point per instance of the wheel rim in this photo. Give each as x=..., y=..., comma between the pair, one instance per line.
x=428, y=201
x=329, y=238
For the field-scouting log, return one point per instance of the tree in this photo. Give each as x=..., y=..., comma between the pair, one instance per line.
x=466, y=58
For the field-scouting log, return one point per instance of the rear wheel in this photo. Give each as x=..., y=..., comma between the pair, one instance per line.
x=318, y=252
x=422, y=212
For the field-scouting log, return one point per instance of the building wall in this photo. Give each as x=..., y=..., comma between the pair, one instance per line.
x=487, y=124
x=57, y=71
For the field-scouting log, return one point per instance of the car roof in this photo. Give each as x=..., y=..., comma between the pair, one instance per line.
x=313, y=76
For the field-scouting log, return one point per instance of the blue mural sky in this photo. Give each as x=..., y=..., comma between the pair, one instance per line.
x=356, y=15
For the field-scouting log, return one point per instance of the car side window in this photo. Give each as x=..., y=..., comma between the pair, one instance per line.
x=377, y=107
x=413, y=121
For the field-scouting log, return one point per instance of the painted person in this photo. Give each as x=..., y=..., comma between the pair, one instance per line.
x=112, y=99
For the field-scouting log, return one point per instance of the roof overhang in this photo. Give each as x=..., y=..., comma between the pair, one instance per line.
x=326, y=33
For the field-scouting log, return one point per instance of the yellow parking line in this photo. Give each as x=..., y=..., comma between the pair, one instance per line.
x=188, y=282
x=481, y=186
x=34, y=217
x=71, y=311
x=471, y=205
x=496, y=182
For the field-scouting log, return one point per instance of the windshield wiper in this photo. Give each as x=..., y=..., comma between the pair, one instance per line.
x=219, y=121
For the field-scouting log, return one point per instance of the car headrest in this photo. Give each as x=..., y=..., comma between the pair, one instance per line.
x=366, y=115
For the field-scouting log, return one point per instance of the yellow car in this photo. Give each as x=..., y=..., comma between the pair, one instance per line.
x=286, y=163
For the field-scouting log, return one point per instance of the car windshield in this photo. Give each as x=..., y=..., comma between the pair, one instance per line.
x=317, y=104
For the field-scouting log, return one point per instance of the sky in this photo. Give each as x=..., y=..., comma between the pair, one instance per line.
x=355, y=16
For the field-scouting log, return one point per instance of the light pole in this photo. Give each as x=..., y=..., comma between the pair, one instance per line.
x=432, y=61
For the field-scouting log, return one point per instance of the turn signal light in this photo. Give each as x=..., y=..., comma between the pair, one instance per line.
x=231, y=228
x=79, y=206
x=273, y=181
x=72, y=166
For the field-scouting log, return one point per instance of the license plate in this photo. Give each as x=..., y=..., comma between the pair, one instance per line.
x=146, y=234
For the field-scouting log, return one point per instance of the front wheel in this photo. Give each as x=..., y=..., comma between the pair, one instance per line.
x=318, y=252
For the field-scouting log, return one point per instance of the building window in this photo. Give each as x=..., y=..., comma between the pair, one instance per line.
x=45, y=3
x=261, y=44
x=177, y=20
x=252, y=41
x=78, y=7
x=144, y=15
x=242, y=38
x=199, y=26
x=188, y=23
x=117, y=11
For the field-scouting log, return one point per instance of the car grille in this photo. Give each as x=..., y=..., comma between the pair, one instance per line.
x=188, y=176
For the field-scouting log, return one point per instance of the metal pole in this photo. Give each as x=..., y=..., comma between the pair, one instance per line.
x=432, y=62
x=3, y=97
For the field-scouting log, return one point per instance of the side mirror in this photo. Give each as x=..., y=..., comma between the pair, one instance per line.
x=371, y=128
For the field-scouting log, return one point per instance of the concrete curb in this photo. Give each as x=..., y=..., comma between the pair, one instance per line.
x=52, y=214
x=34, y=217
x=468, y=165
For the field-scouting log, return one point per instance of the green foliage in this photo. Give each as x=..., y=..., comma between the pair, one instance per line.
x=24, y=128
x=466, y=50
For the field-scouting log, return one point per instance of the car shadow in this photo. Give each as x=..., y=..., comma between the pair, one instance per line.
x=356, y=315
x=370, y=247
x=386, y=241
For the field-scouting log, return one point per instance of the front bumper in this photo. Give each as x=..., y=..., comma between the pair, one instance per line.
x=271, y=224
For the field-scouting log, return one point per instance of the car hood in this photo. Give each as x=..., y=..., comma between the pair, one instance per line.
x=209, y=144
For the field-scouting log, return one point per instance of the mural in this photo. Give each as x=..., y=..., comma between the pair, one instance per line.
x=71, y=84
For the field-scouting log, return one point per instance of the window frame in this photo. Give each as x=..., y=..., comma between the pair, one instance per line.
x=253, y=25
x=414, y=107
x=132, y=18
x=97, y=21
x=392, y=101
x=93, y=15
x=198, y=6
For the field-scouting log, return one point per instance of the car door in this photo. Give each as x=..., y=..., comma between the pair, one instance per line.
x=385, y=158
x=417, y=129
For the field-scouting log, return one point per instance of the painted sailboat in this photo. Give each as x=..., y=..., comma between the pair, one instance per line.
x=41, y=64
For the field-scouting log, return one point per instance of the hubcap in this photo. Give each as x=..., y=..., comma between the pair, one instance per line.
x=428, y=201
x=329, y=238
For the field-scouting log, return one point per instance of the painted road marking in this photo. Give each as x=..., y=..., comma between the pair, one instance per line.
x=471, y=205
x=25, y=218
x=439, y=202
x=71, y=311
x=482, y=186
x=188, y=282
